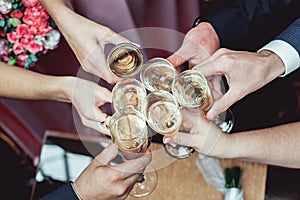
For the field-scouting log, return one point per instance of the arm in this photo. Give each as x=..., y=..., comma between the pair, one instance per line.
x=275, y=146
x=102, y=181
x=246, y=72
x=85, y=95
x=86, y=38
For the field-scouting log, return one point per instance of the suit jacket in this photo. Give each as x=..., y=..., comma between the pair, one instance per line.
x=64, y=192
x=244, y=24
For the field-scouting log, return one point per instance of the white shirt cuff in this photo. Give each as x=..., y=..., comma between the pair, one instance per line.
x=286, y=52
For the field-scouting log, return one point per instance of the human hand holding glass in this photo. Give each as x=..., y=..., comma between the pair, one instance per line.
x=129, y=131
x=192, y=90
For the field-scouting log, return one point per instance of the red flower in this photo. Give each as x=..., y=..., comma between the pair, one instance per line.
x=23, y=30
x=15, y=14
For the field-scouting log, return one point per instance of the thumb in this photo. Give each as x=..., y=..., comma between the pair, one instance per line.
x=221, y=104
x=184, y=139
x=179, y=57
x=106, y=156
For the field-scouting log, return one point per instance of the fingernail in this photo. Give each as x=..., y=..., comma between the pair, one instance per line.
x=166, y=140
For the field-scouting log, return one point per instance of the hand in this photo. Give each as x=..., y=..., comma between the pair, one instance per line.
x=87, y=96
x=102, y=181
x=86, y=38
x=245, y=72
x=199, y=43
x=90, y=49
x=205, y=137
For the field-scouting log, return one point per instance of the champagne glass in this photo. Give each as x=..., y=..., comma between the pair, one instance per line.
x=158, y=74
x=125, y=60
x=129, y=132
x=128, y=93
x=163, y=115
x=192, y=90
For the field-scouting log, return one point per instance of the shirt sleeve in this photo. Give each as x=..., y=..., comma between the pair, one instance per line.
x=287, y=46
x=64, y=192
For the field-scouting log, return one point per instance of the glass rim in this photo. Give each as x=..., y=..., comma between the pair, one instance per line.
x=128, y=45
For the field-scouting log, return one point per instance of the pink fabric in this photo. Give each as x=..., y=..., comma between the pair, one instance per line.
x=119, y=15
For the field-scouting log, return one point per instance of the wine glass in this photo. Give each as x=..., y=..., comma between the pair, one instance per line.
x=163, y=115
x=128, y=93
x=125, y=60
x=129, y=131
x=192, y=90
x=162, y=112
x=158, y=74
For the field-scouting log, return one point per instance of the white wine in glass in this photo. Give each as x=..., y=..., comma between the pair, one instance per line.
x=158, y=74
x=162, y=112
x=128, y=93
x=192, y=90
x=125, y=60
x=129, y=131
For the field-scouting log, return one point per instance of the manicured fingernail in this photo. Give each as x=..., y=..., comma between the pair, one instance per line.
x=166, y=140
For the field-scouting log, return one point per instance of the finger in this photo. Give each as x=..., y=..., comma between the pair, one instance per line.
x=179, y=57
x=106, y=156
x=117, y=39
x=103, y=95
x=184, y=139
x=97, y=65
x=222, y=104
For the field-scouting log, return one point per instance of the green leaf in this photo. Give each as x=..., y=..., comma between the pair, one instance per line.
x=12, y=61
x=33, y=57
x=2, y=23
x=14, y=21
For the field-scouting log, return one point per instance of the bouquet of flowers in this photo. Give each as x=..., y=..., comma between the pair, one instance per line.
x=26, y=30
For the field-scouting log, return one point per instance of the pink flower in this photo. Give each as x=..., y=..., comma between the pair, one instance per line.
x=34, y=48
x=29, y=3
x=18, y=48
x=12, y=37
x=22, y=58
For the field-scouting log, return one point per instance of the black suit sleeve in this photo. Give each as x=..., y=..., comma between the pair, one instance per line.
x=249, y=24
x=64, y=192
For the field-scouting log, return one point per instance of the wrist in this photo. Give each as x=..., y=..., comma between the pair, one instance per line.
x=273, y=64
x=60, y=88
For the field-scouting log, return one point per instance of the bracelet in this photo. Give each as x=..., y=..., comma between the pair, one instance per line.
x=199, y=20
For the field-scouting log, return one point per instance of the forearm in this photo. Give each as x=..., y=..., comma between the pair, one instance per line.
x=18, y=83
x=276, y=146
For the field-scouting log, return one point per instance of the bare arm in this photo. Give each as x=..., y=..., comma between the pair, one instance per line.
x=85, y=96
x=277, y=145
x=18, y=83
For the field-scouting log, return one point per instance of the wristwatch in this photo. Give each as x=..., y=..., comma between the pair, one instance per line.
x=199, y=20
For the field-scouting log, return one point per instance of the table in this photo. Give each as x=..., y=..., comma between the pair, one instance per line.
x=181, y=179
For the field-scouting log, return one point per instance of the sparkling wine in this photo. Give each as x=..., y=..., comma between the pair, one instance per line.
x=158, y=74
x=129, y=132
x=164, y=117
x=128, y=93
x=191, y=90
x=125, y=60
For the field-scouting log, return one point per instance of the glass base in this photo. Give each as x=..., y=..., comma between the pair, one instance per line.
x=146, y=184
x=178, y=151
